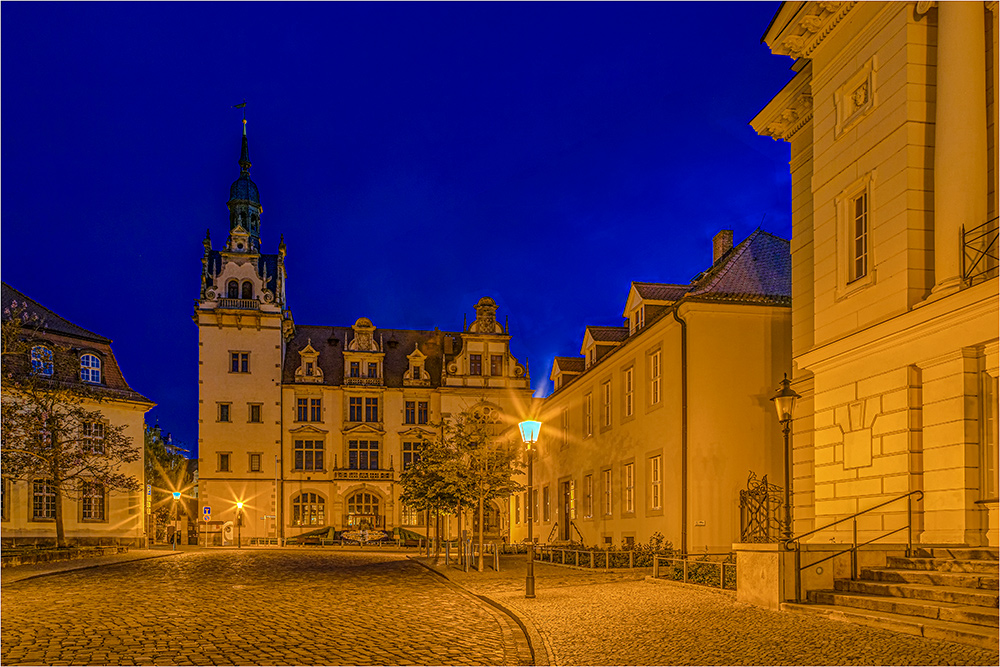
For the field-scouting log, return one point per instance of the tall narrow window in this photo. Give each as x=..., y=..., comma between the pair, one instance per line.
x=606, y=412
x=545, y=504
x=859, y=252
x=606, y=474
x=654, y=378
x=588, y=496
x=588, y=415
x=354, y=409
x=372, y=370
x=355, y=369
x=564, y=426
x=247, y=290
x=255, y=462
x=371, y=409
x=629, y=393
x=496, y=364
x=629, y=499
x=4, y=499
x=517, y=509
x=224, y=411
x=315, y=409
x=90, y=369
x=223, y=462
x=233, y=290
x=43, y=500
x=92, y=506
x=41, y=361
x=655, y=484
x=421, y=412
x=254, y=416
x=410, y=413
x=475, y=364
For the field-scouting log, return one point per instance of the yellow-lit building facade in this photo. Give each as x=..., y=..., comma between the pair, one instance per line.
x=656, y=425
x=310, y=426
x=891, y=119
x=73, y=357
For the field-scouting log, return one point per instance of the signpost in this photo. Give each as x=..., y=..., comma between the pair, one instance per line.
x=206, y=515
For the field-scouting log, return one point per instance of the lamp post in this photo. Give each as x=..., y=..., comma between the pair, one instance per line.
x=239, y=524
x=529, y=434
x=784, y=404
x=173, y=542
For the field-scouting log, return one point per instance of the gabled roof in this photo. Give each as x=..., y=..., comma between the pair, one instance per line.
x=45, y=319
x=758, y=270
x=608, y=334
x=569, y=364
x=660, y=291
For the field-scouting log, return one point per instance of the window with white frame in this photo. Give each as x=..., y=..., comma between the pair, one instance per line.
x=41, y=361
x=90, y=369
x=564, y=426
x=92, y=501
x=606, y=408
x=654, y=378
x=588, y=415
x=93, y=436
x=855, y=262
x=858, y=237
x=588, y=496
x=43, y=500
x=655, y=483
x=629, y=483
x=629, y=393
x=606, y=474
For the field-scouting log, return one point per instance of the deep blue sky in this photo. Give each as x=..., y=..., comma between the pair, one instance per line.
x=415, y=157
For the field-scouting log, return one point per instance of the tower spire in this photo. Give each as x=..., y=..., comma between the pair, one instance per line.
x=244, y=200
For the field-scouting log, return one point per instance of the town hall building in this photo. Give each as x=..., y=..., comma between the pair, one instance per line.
x=308, y=427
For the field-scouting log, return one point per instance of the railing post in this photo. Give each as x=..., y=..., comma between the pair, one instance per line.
x=798, y=572
x=563, y=556
x=577, y=558
x=685, y=562
x=909, y=524
x=854, y=549
x=631, y=559
x=591, y=560
x=722, y=575
x=656, y=566
x=607, y=559
x=447, y=554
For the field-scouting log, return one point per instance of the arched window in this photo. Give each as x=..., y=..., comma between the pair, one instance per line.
x=90, y=369
x=233, y=290
x=308, y=509
x=41, y=360
x=247, y=290
x=363, y=510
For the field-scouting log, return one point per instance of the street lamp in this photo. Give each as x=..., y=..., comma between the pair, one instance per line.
x=239, y=524
x=529, y=434
x=173, y=542
x=784, y=404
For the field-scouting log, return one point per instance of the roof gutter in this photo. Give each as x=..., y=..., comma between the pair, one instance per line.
x=684, y=432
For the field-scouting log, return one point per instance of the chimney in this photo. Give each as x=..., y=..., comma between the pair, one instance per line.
x=721, y=244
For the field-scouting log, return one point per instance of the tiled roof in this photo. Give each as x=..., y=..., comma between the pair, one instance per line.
x=608, y=334
x=68, y=342
x=759, y=270
x=570, y=364
x=47, y=320
x=660, y=291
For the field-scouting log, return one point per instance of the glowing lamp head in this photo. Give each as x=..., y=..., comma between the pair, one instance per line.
x=177, y=495
x=784, y=400
x=529, y=432
x=239, y=505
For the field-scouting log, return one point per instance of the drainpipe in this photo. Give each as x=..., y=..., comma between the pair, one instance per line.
x=684, y=433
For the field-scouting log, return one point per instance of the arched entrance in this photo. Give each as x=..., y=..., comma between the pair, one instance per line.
x=365, y=510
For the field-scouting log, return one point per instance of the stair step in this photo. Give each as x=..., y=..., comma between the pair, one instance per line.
x=966, y=553
x=943, y=611
x=944, y=565
x=960, y=579
x=953, y=594
x=975, y=635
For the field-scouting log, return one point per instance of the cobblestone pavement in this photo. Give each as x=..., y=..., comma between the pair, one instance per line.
x=274, y=607
x=619, y=618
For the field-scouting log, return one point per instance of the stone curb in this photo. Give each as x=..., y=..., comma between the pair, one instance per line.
x=11, y=577
x=718, y=591
x=531, y=634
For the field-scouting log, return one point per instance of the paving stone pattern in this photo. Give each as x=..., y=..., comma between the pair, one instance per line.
x=619, y=618
x=274, y=607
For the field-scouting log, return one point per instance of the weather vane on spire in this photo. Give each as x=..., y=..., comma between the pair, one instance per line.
x=243, y=105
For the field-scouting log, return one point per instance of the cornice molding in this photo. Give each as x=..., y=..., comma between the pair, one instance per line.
x=789, y=111
x=807, y=30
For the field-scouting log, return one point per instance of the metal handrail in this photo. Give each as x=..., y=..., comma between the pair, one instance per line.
x=974, y=251
x=795, y=543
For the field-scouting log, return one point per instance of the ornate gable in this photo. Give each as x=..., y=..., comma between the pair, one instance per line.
x=309, y=370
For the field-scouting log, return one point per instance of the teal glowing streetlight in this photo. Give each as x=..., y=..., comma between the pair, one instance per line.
x=529, y=434
x=173, y=542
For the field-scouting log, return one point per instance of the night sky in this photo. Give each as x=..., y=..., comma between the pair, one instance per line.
x=415, y=156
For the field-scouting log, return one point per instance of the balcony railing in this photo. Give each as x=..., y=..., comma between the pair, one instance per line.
x=344, y=473
x=979, y=253
x=363, y=381
x=239, y=304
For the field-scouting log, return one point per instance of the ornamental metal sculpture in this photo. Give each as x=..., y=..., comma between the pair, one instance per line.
x=760, y=510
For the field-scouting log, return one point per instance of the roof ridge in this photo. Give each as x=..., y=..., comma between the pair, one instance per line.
x=46, y=312
x=716, y=273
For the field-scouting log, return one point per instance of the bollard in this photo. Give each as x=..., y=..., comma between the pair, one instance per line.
x=447, y=554
x=656, y=566
x=591, y=560
x=631, y=559
x=722, y=575
x=496, y=559
x=685, y=561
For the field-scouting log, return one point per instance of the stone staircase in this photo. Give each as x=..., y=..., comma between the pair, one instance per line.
x=941, y=593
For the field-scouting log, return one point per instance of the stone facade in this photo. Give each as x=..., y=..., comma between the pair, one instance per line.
x=891, y=119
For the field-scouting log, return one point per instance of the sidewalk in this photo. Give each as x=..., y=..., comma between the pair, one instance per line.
x=588, y=617
x=10, y=575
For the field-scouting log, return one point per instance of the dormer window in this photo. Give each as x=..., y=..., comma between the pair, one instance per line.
x=41, y=361
x=309, y=369
x=90, y=369
x=233, y=290
x=416, y=372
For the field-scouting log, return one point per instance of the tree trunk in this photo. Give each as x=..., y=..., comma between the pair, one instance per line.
x=482, y=526
x=60, y=529
x=461, y=541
